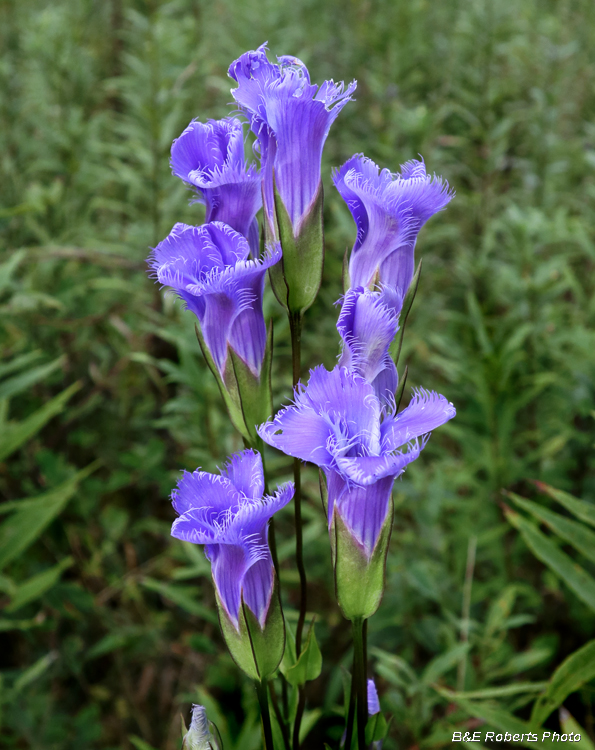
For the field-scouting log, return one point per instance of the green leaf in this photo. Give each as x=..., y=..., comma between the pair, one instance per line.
x=30, y=520
x=522, y=662
x=35, y=671
x=376, y=728
x=309, y=665
x=18, y=363
x=501, y=692
x=38, y=585
x=24, y=380
x=574, y=672
x=492, y=715
x=9, y=267
x=580, y=508
x=581, y=538
x=17, y=433
x=183, y=596
x=570, y=724
x=139, y=743
x=575, y=577
x=444, y=663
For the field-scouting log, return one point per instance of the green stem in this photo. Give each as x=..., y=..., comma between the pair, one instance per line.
x=279, y=715
x=295, y=326
x=351, y=711
x=263, y=700
x=359, y=630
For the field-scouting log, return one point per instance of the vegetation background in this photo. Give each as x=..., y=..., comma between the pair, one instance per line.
x=108, y=625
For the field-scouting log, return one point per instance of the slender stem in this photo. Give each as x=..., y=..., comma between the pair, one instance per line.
x=351, y=711
x=284, y=698
x=469, y=569
x=263, y=700
x=359, y=677
x=298, y=717
x=279, y=715
x=295, y=324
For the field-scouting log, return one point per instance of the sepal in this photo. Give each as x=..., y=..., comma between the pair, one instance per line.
x=227, y=385
x=257, y=651
x=359, y=579
x=254, y=393
x=296, y=278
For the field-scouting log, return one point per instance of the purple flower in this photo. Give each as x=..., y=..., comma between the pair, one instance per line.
x=389, y=210
x=291, y=118
x=367, y=325
x=373, y=702
x=210, y=156
x=338, y=423
x=208, y=266
x=229, y=515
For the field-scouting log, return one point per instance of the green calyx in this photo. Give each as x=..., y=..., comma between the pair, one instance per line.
x=248, y=398
x=296, y=278
x=257, y=651
x=359, y=579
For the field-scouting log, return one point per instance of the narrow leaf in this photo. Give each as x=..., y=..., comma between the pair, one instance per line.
x=575, y=577
x=38, y=585
x=581, y=538
x=28, y=523
x=183, y=596
x=443, y=663
x=22, y=381
x=580, y=508
x=17, y=433
x=574, y=672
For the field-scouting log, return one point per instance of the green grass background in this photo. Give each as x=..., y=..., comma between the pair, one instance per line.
x=498, y=98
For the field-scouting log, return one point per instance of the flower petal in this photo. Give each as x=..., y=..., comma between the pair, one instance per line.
x=258, y=588
x=244, y=471
x=426, y=411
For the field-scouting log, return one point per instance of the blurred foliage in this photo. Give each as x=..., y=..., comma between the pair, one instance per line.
x=108, y=625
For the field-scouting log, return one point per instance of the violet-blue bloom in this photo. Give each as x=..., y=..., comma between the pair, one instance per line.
x=389, y=210
x=338, y=423
x=209, y=267
x=229, y=515
x=373, y=702
x=291, y=118
x=367, y=326
x=210, y=156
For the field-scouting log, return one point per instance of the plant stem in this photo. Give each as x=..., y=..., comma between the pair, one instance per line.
x=351, y=711
x=295, y=324
x=263, y=700
x=279, y=715
x=359, y=630
x=469, y=569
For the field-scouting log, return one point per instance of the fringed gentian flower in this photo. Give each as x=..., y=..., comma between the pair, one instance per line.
x=373, y=702
x=199, y=736
x=389, y=210
x=338, y=423
x=291, y=118
x=210, y=157
x=367, y=326
x=229, y=515
x=209, y=267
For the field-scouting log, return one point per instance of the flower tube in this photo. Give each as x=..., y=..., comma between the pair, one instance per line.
x=210, y=269
x=389, y=210
x=229, y=515
x=338, y=423
x=210, y=157
x=367, y=326
x=291, y=118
